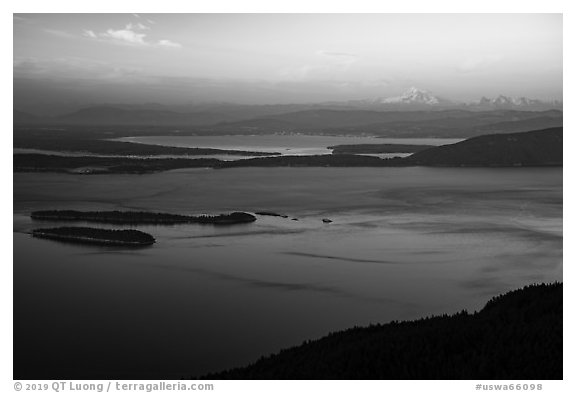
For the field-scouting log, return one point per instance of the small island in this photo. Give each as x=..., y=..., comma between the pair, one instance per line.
x=105, y=237
x=271, y=214
x=138, y=217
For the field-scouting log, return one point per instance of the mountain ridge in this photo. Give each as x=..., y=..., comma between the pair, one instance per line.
x=517, y=335
x=413, y=99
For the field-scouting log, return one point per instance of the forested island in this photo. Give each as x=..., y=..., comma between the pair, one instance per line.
x=138, y=217
x=517, y=335
x=108, y=237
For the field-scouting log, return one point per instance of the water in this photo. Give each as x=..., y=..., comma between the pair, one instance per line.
x=404, y=243
x=285, y=144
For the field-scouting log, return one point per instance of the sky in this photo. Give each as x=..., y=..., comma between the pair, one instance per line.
x=60, y=59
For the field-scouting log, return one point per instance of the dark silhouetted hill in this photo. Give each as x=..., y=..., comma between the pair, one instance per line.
x=532, y=148
x=515, y=336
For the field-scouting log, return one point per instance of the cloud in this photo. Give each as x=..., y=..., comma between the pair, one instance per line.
x=125, y=36
x=133, y=34
x=89, y=33
x=169, y=44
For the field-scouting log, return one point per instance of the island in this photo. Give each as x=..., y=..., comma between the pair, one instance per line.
x=517, y=335
x=139, y=217
x=106, y=237
x=271, y=214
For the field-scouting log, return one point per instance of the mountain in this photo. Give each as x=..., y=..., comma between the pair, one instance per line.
x=415, y=96
x=518, y=103
x=517, y=335
x=412, y=99
x=532, y=148
x=419, y=99
x=335, y=119
x=451, y=123
x=454, y=123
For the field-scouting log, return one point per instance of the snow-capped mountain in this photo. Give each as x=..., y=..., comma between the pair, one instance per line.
x=419, y=99
x=411, y=99
x=506, y=102
x=414, y=96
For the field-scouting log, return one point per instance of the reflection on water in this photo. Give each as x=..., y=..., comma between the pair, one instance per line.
x=404, y=243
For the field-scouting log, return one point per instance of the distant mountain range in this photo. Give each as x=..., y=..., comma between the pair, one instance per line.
x=450, y=123
x=415, y=98
x=397, y=124
x=415, y=113
x=412, y=99
x=521, y=103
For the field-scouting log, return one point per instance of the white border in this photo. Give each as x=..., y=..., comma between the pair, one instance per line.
x=243, y=6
